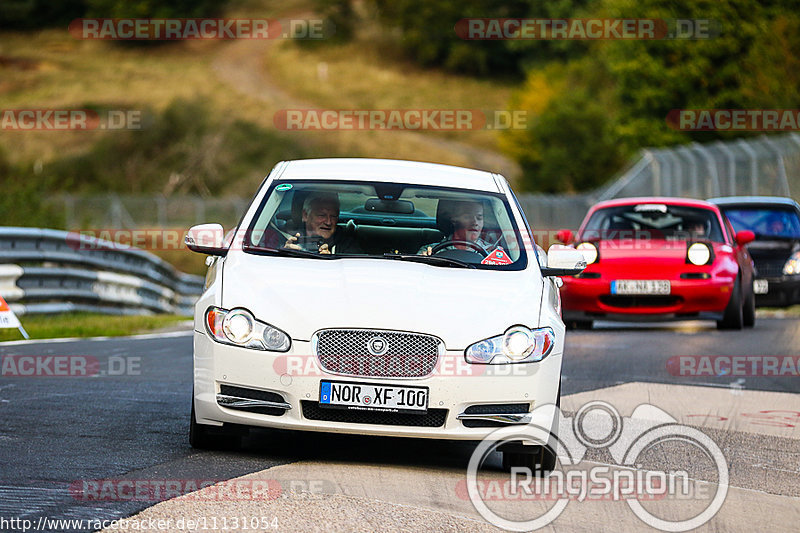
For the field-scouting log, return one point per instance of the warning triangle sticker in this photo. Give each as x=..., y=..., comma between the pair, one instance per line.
x=497, y=257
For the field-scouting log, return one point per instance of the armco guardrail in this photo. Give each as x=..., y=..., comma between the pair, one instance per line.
x=51, y=271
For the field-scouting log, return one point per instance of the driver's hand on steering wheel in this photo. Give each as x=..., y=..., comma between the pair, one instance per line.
x=428, y=251
x=291, y=242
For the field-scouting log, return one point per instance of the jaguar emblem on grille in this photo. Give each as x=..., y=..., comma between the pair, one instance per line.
x=377, y=346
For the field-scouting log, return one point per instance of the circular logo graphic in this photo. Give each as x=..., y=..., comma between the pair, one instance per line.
x=377, y=346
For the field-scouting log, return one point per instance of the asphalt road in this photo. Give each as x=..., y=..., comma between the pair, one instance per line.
x=129, y=420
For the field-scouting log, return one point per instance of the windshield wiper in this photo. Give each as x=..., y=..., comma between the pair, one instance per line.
x=288, y=251
x=429, y=259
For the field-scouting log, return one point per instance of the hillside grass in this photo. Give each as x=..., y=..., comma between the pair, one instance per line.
x=88, y=325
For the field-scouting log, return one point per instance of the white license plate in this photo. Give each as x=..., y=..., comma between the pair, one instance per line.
x=369, y=397
x=760, y=286
x=640, y=286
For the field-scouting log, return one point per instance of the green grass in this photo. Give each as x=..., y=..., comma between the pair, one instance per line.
x=88, y=325
x=780, y=312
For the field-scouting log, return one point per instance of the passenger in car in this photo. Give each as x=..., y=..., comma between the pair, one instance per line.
x=320, y=216
x=463, y=221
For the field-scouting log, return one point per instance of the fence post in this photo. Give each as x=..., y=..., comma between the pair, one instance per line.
x=712, y=168
x=731, y=166
x=781, y=167
x=753, y=165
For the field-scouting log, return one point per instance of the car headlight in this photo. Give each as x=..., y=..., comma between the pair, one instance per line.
x=238, y=327
x=589, y=252
x=517, y=345
x=792, y=266
x=699, y=253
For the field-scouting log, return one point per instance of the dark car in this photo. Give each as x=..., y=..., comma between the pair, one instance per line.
x=776, y=249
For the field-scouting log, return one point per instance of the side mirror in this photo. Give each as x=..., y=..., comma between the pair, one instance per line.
x=745, y=236
x=206, y=239
x=563, y=261
x=565, y=236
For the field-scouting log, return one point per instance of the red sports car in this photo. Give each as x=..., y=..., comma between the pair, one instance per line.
x=660, y=259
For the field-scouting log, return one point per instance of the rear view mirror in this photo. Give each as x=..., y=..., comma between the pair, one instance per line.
x=563, y=261
x=399, y=207
x=564, y=236
x=745, y=236
x=206, y=239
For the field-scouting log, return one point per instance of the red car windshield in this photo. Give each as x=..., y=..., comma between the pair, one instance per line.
x=653, y=221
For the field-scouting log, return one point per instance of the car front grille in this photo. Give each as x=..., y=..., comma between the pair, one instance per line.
x=400, y=354
x=434, y=418
x=615, y=300
x=769, y=268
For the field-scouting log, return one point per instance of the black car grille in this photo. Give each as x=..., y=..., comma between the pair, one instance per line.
x=492, y=409
x=253, y=394
x=434, y=418
x=615, y=300
x=408, y=355
x=769, y=268
x=498, y=409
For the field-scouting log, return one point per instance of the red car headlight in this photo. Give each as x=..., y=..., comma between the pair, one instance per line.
x=589, y=251
x=699, y=253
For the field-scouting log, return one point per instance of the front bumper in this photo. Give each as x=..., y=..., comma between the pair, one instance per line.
x=591, y=299
x=454, y=387
x=781, y=292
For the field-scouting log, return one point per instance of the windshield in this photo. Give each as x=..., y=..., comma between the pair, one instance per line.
x=337, y=219
x=653, y=221
x=765, y=221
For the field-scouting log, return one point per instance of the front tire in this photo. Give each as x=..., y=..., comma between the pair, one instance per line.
x=579, y=324
x=540, y=461
x=734, y=312
x=204, y=437
x=749, y=311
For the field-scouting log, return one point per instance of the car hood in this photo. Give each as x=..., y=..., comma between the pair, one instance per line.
x=301, y=296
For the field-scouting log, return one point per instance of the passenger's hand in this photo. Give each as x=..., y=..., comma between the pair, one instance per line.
x=291, y=242
x=324, y=249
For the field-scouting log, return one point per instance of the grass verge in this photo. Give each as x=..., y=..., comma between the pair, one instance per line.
x=779, y=312
x=88, y=325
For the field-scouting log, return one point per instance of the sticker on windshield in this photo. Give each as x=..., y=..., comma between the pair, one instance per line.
x=497, y=257
x=283, y=187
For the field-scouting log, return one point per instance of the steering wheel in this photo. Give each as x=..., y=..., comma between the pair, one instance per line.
x=450, y=242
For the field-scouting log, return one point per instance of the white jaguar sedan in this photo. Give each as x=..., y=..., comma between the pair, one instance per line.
x=378, y=297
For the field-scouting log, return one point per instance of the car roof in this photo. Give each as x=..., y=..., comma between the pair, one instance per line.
x=390, y=170
x=754, y=200
x=685, y=202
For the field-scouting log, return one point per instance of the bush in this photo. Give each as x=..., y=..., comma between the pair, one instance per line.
x=183, y=149
x=24, y=198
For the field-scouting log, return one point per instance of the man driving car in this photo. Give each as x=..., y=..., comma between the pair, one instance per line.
x=466, y=218
x=320, y=216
